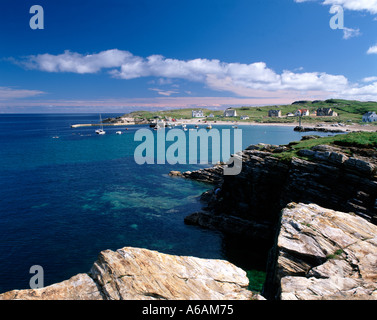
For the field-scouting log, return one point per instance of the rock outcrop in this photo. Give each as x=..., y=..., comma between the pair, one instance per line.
x=322, y=254
x=79, y=287
x=326, y=175
x=212, y=175
x=139, y=274
x=319, y=129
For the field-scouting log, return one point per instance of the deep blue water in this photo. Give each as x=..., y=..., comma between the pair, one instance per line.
x=63, y=200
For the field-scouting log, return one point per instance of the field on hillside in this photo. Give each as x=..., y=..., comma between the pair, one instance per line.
x=348, y=112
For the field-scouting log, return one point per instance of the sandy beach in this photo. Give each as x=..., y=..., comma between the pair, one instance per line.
x=326, y=126
x=203, y=122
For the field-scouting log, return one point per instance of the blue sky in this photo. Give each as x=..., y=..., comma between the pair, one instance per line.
x=114, y=55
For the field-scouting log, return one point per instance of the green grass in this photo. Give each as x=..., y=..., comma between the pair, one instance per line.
x=335, y=255
x=354, y=139
x=348, y=112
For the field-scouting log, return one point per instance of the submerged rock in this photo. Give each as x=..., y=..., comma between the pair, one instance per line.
x=139, y=274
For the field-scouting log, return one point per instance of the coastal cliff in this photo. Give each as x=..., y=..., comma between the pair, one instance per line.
x=337, y=177
x=322, y=248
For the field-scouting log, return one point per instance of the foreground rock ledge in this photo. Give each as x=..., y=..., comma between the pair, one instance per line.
x=323, y=254
x=140, y=274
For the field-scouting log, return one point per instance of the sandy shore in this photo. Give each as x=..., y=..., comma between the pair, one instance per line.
x=346, y=128
x=326, y=126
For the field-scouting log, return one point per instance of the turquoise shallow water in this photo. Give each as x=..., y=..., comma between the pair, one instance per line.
x=64, y=200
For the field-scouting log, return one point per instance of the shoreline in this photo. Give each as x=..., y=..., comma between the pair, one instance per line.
x=319, y=125
x=325, y=126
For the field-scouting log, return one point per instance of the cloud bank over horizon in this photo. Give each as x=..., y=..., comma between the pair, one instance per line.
x=243, y=80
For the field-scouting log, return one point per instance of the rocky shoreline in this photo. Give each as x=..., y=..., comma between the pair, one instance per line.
x=316, y=212
x=318, y=254
x=336, y=188
x=324, y=174
x=141, y=274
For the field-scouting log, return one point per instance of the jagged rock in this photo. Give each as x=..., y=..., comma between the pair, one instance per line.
x=310, y=137
x=79, y=287
x=175, y=173
x=136, y=274
x=361, y=166
x=212, y=175
x=132, y=273
x=231, y=225
x=307, y=129
x=328, y=176
x=323, y=254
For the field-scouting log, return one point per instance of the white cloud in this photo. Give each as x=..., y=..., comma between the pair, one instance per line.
x=245, y=80
x=355, y=5
x=8, y=93
x=78, y=63
x=357, y=92
x=372, y=50
x=350, y=33
x=369, y=79
x=166, y=93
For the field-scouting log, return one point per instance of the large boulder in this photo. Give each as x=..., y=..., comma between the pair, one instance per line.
x=323, y=254
x=139, y=274
x=79, y=287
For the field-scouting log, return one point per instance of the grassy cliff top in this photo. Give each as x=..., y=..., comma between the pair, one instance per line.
x=348, y=111
x=360, y=140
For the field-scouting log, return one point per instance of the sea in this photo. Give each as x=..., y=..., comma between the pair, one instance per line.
x=67, y=193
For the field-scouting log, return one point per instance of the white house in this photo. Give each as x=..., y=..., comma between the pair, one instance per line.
x=370, y=117
x=302, y=112
x=230, y=113
x=245, y=118
x=197, y=114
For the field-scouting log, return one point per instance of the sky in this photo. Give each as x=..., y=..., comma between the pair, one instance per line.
x=117, y=55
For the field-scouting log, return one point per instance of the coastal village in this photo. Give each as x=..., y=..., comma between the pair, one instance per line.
x=329, y=113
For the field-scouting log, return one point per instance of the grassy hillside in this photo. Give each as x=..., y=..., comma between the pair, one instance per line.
x=348, y=111
x=354, y=139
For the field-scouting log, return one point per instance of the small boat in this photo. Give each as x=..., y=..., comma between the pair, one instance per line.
x=209, y=126
x=184, y=129
x=118, y=132
x=196, y=127
x=100, y=131
x=183, y=126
